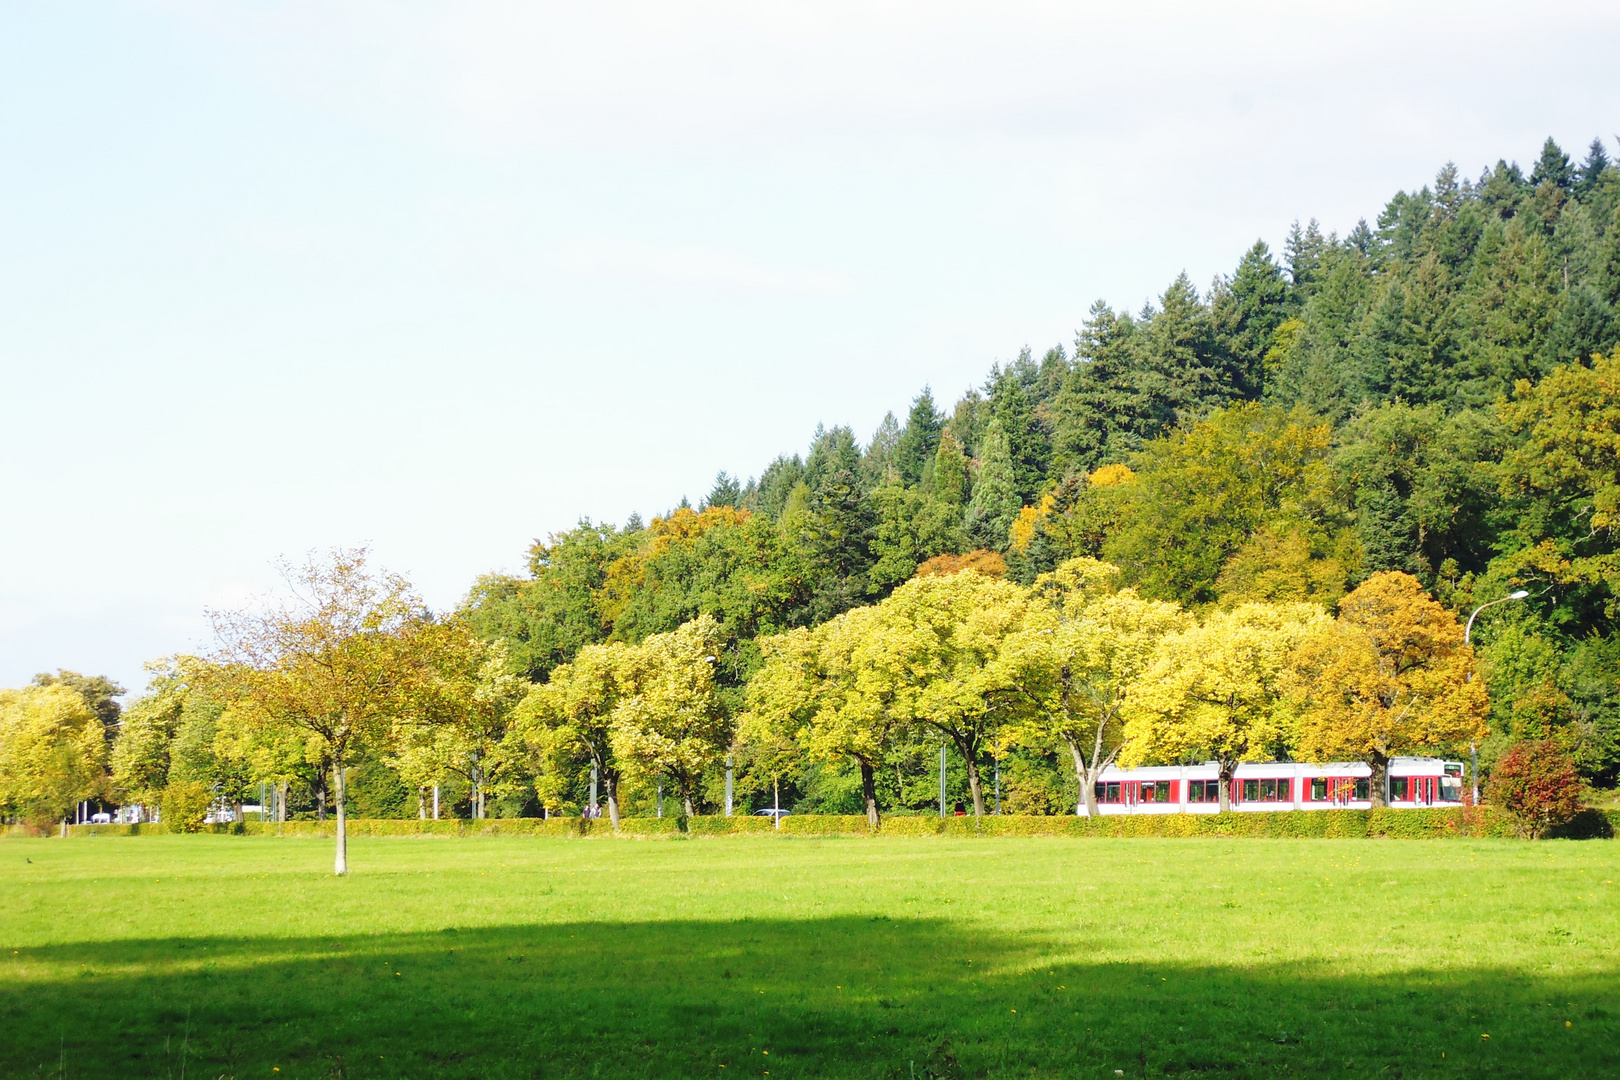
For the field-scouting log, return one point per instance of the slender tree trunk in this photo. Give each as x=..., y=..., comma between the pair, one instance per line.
x=1225, y=793
x=421, y=803
x=340, y=863
x=613, y=799
x=1380, y=780
x=1087, y=778
x=869, y=790
x=974, y=786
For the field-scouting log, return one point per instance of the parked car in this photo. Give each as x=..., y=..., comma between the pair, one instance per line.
x=778, y=814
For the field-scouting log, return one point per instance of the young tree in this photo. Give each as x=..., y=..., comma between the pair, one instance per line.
x=52, y=753
x=351, y=652
x=1076, y=659
x=669, y=722
x=1216, y=689
x=1391, y=674
x=567, y=723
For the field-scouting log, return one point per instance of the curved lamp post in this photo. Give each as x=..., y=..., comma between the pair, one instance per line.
x=1468, y=635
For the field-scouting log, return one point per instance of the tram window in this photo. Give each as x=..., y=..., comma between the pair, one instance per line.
x=1399, y=786
x=1108, y=793
x=1251, y=791
x=1453, y=770
x=1319, y=789
x=1451, y=789
x=1363, y=790
x=1203, y=791
x=1161, y=791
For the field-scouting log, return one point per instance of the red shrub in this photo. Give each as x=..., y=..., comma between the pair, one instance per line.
x=1536, y=784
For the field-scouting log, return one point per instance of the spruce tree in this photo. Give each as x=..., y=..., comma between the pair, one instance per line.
x=995, y=501
x=1553, y=167
x=1592, y=169
x=919, y=438
x=726, y=491
x=948, y=480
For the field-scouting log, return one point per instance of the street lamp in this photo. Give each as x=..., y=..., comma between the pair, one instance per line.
x=1468, y=635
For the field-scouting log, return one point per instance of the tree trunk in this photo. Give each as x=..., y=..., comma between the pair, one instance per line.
x=1380, y=780
x=613, y=800
x=975, y=787
x=320, y=800
x=686, y=804
x=421, y=804
x=1086, y=777
x=340, y=863
x=869, y=791
x=1225, y=793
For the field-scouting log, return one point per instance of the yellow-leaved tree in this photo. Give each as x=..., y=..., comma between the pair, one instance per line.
x=52, y=753
x=1391, y=674
x=942, y=641
x=567, y=725
x=1076, y=659
x=1217, y=690
x=670, y=723
x=838, y=692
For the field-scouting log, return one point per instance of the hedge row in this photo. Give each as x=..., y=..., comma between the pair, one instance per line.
x=1395, y=824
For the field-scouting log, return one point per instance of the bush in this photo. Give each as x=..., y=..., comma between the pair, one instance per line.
x=185, y=805
x=1535, y=783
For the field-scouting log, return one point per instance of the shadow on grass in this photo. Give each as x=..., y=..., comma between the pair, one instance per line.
x=844, y=997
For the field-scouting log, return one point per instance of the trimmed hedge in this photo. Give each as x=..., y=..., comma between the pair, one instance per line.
x=1392, y=824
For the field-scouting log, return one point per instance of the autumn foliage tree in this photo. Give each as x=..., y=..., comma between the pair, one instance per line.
x=52, y=754
x=1536, y=784
x=1077, y=658
x=1216, y=690
x=1389, y=676
x=353, y=650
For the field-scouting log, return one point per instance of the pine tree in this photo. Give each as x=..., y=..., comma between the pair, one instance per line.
x=1592, y=169
x=1247, y=311
x=947, y=481
x=919, y=438
x=1027, y=440
x=1303, y=250
x=1553, y=167
x=726, y=491
x=995, y=501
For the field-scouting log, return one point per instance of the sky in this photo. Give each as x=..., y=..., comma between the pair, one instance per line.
x=441, y=279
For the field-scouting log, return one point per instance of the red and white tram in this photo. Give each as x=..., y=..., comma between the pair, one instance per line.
x=1278, y=785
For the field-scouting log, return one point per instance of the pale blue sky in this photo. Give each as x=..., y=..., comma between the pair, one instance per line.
x=442, y=278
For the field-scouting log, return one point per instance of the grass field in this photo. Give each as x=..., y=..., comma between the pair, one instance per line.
x=243, y=957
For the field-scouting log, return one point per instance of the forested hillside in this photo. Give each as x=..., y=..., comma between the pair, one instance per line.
x=1428, y=394
x=1250, y=522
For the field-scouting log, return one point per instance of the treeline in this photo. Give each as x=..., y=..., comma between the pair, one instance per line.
x=1433, y=400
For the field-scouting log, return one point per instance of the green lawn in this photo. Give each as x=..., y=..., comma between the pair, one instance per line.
x=227, y=956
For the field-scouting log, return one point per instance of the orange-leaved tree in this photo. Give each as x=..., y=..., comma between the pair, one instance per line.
x=1389, y=675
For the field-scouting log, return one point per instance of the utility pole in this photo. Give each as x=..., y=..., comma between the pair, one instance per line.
x=941, y=779
x=728, y=785
x=593, y=791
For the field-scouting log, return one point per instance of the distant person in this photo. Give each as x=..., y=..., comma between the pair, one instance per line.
x=960, y=810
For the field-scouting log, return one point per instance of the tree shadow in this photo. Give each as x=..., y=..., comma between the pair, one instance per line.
x=837, y=997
